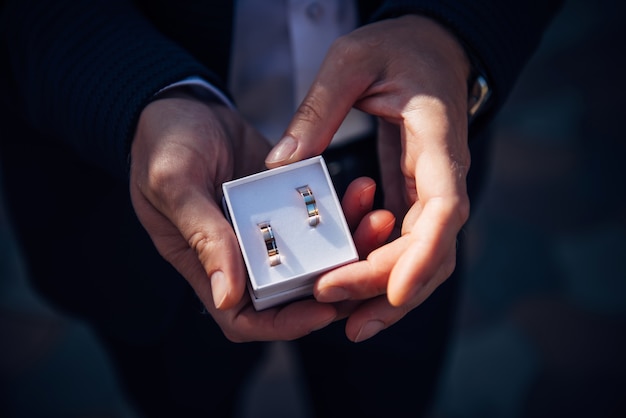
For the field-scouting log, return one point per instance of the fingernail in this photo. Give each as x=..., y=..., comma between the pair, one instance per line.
x=367, y=196
x=368, y=330
x=219, y=288
x=333, y=294
x=282, y=151
x=384, y=234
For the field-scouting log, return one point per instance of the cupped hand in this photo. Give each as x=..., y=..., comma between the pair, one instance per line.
x=182, y=151
x=412, y=74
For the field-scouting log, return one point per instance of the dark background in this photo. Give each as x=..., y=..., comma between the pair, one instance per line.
x=541, y=330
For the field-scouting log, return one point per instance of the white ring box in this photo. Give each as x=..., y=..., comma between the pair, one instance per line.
x=305, y=251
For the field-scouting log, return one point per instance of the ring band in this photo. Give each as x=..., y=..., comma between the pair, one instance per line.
x=270, y=243
x=311, y=206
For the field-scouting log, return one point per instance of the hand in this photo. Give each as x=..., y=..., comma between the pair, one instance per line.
x=183, y=150
x=412, y=74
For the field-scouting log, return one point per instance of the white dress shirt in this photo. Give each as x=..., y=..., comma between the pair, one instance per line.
x=278, y=47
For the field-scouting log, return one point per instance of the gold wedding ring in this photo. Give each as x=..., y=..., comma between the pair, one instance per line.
x=270, y=243
x=311, y=206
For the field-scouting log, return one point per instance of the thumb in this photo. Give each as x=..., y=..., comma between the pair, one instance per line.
x=200, y=243
x=319, y=116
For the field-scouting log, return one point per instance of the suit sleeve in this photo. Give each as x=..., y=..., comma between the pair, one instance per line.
x=84, y=70
x=501, y=35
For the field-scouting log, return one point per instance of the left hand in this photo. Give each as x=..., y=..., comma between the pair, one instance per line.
x=411, y=73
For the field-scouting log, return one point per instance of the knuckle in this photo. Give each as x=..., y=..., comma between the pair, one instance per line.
x=160, y=175
x=205, y=244
x=233, y=330
x=310, y=110
x=163, y=183
x=348, y=48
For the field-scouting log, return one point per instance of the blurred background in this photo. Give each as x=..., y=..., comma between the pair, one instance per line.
x=541, y=330
x=542, y=327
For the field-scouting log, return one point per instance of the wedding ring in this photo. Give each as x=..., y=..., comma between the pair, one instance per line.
x=311, y=206
x=270, y=243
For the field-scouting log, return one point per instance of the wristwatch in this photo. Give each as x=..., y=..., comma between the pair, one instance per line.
x=478, y=95
x=478, y=88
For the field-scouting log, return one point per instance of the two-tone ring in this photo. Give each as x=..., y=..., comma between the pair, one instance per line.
x=266, y=229
x=270, y=243
x=311, y=206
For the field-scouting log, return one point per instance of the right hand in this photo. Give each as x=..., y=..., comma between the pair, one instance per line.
x=411, y=73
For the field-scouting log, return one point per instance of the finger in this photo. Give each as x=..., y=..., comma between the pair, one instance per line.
x=284, y=323
x=377, y=314
x=373, y=231
x=432, y=251
x=370, y=229
x=358, y=200
x=372, y=317
x=211, y=237
x=330, y=98
x=361, y=280
x=210, y=240
x=345, y=308
x=370, y=277
x=441, y=207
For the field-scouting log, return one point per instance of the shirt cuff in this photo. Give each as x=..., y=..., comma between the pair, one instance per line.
x=200, y=87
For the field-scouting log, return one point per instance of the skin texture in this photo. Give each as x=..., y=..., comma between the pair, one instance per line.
x=182, y=152
x=412, y=74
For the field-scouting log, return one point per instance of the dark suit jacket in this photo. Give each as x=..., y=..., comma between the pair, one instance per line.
x=82, y=71
x=74, y=77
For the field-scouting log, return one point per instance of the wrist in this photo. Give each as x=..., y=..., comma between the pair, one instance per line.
x=478, y=84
